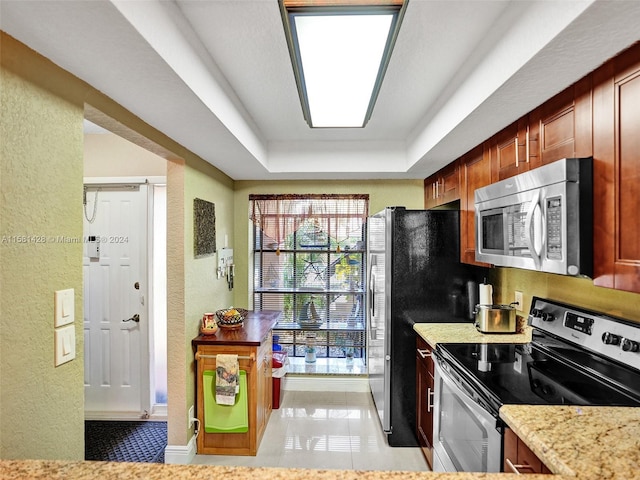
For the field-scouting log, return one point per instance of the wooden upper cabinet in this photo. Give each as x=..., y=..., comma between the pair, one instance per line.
x=562, y=127
x=616, y=145
x=509, y=150
x=475, y=172
x=442, y=187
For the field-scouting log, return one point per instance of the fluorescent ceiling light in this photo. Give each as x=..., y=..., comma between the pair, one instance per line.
x=339, y=55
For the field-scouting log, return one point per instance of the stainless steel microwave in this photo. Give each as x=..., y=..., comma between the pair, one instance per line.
x=539, y=220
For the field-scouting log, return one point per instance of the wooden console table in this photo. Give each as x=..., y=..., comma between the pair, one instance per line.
x=253, y=344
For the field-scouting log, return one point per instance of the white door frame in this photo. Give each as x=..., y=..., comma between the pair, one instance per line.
x=146, y=400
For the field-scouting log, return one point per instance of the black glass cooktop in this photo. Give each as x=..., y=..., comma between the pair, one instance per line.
x=546, y=371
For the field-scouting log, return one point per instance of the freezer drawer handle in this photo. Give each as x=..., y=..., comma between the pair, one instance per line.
x=424, y=353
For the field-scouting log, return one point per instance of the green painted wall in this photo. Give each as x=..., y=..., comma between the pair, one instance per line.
x=41, y=176
x=41, y=406
x=204, y=292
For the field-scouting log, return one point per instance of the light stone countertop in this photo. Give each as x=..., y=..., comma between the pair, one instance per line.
x=592, y=443
x=434, y=333
x=66, y=470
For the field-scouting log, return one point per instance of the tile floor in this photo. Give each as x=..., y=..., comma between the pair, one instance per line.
x=326, y=430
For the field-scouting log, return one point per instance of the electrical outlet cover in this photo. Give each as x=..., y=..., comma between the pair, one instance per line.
x=191, y=417
x=518, y=298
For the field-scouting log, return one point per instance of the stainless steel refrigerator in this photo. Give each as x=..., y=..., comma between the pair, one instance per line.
x=414, y=275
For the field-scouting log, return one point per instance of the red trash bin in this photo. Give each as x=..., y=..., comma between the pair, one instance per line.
x=277, y=361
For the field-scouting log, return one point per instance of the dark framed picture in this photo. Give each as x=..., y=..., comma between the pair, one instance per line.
x=204, y=225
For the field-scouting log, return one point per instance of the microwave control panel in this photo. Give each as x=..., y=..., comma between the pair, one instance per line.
x=554, y=228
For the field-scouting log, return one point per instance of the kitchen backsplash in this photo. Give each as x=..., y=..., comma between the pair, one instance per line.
x=571, y=290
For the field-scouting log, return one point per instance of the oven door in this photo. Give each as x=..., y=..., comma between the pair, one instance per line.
x=466, y=435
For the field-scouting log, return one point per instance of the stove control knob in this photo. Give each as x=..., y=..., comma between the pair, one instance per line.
x=610, y=339
x=629, y=345
x=535, y=312
x=547, y=317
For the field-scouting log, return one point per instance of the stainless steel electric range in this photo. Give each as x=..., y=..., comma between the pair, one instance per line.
x=576, y=357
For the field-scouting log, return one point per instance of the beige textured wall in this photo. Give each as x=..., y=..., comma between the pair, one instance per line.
x=109, y=155
x=382, y=193
x=42, y=406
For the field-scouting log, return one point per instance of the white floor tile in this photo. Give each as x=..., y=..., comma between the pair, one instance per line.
x=325, y=430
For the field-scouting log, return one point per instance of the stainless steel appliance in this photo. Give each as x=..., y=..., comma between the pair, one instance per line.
x=414, y=275
x=495, y=318
x=576, y=357
x=539, y=220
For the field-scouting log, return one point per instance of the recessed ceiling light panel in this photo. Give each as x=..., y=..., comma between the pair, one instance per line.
x=339, y=54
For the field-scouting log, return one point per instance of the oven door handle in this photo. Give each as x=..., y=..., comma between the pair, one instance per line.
x=481, y=413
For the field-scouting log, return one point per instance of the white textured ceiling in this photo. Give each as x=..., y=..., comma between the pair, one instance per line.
x=215, y=75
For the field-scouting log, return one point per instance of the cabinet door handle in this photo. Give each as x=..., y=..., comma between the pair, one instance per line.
x=424, y=353
x=526, y=143
x=429, y=399
x=517, y=156
x=516, y=468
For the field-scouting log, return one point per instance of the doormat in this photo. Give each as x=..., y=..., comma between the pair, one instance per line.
x=116, y=441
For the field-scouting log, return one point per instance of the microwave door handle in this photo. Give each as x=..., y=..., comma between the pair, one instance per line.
x=528, y=226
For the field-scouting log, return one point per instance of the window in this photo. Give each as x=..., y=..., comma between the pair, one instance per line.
x=308, y=261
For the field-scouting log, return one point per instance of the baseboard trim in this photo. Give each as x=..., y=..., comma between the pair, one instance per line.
x=320, y=383
x=120, y=416
x=181, y=454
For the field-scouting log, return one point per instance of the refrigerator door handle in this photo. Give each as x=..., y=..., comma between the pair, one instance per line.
x=372, y=296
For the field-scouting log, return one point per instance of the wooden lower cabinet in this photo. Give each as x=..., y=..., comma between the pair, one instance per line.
x=424, y=398
x=253, y=345
x=518, y=458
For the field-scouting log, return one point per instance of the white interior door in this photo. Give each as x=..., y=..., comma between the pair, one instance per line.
x=116, y=342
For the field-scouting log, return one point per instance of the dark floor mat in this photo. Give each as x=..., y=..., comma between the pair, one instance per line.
x=125, y=441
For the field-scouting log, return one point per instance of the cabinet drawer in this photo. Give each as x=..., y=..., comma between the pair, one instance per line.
x=208, y=360
x=424, y=352
x=518, y=458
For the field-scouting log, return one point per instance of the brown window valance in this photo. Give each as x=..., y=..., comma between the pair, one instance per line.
x=279, y=216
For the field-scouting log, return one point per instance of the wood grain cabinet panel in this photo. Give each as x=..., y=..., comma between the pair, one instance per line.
x=510, y=150
x=475, y=172
x=518, y=457
x=561, y=127
x=617, y=172
x=442, y=187
x=424, y=398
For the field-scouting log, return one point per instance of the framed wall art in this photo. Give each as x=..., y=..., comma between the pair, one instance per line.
x=204, y=225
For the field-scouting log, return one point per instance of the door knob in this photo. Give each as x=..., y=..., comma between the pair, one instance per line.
x=135, y=318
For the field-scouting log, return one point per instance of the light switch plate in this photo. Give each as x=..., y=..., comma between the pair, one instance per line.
x=65, y=344
x=64, y=307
